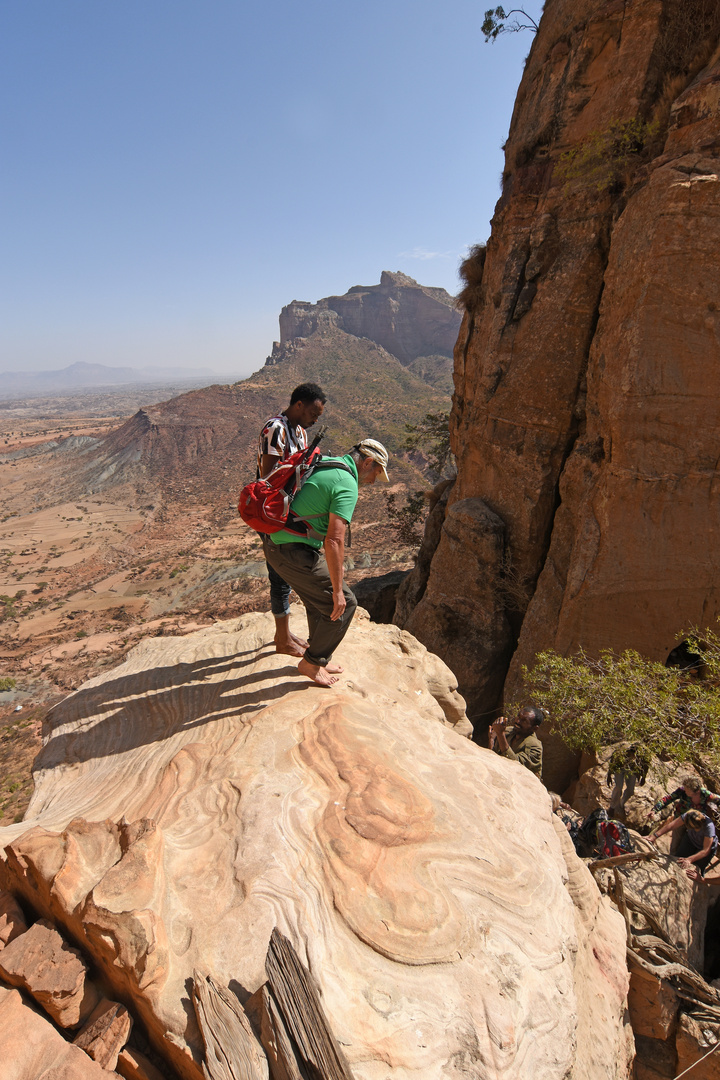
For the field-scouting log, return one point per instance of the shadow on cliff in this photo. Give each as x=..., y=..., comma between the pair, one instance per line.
x=149, y=706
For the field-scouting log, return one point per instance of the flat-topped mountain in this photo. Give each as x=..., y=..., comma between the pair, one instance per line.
x=407, y=319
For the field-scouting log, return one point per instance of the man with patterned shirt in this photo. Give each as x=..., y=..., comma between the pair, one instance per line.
x=282, y=436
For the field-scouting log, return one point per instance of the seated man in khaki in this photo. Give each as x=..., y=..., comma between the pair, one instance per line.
x=312, y=564
x=520, y=743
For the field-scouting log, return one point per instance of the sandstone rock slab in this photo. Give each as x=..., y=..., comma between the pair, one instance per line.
x=12, y=920
x=134, y=1065
x=41, y=962
x=32, y=1049
x=105, y=1033
x=694, y=1043
x=201, y=796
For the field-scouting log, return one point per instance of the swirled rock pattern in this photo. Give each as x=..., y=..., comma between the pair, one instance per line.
x=201, y=795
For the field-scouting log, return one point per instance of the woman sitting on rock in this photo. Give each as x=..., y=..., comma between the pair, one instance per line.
x=697, y=846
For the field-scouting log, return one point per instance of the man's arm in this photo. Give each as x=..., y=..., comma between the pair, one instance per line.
x=705, y=849
x=674, y=823
x=268, y=463
x=334, y=545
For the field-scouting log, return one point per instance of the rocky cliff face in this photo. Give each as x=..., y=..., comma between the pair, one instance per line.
x=204, y=823
x=586, y=421
x=407, y=319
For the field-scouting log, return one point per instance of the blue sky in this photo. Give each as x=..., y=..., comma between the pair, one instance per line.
x=174, y=171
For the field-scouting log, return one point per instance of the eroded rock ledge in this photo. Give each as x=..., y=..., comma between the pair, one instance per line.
x=200, y=797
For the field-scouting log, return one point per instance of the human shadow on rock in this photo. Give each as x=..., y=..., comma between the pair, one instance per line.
x=149, y=706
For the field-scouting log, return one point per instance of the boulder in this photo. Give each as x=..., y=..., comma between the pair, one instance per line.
x=105, y=1033
x=201, y=800
x=32, y=1049
x=133, y=1065
x=12, y=920
x=52, y=972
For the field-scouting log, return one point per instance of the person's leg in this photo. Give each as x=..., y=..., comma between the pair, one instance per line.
x=285, y=641
x=616, y=793
x=702, y=864
x=630, y=781
x=305, y=569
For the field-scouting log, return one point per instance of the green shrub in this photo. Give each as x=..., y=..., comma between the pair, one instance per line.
x=432, y=436
x=7, y=683
x=598, y=702
x=406, y=519
x=606, y=158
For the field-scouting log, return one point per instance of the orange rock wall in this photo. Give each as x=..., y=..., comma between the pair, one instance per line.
x=585, y=420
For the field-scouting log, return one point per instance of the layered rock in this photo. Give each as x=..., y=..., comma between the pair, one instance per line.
x=586, y=424
x=202, y=799
x=407, y=319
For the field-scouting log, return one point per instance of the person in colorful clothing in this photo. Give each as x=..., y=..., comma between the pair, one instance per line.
x=280, y=437
x=691, y=795
x=313, y=562
x=697, y=846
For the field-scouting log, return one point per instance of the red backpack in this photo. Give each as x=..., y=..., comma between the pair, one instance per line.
x=265, y=505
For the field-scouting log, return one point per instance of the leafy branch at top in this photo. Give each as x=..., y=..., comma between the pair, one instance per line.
x=496, y=22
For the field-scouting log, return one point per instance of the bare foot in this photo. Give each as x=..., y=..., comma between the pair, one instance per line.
x=320, y=676
x=301, y=642
x=288, y=648
x=334, y=669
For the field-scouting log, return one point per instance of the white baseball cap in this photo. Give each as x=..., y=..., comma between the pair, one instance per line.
x=375, y=450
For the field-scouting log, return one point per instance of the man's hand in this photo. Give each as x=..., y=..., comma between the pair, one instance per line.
x=335, y=554
x=339, y=605
x=498, y=736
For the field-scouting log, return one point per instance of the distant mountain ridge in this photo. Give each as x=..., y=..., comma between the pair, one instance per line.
x=84, y=375
x=407, y=319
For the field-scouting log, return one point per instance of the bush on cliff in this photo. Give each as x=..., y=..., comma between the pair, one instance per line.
x=597, y=702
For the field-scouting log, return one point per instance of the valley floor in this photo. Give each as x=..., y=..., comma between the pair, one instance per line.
x=82, y=580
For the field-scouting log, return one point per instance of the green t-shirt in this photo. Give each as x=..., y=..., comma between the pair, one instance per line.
x=325, y=492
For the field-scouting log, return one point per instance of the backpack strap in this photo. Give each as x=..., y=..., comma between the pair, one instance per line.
x=295, y=519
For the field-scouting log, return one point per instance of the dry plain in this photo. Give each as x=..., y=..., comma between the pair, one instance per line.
x=83, y=579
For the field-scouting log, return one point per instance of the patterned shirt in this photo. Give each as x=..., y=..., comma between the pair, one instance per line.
x=708, y=801
x=279, y=440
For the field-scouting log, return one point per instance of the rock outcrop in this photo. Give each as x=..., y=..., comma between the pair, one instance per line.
x=211, y=830
x=586, y=421
x=407, y=319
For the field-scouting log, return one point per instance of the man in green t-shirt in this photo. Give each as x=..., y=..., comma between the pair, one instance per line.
x=313, y=564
